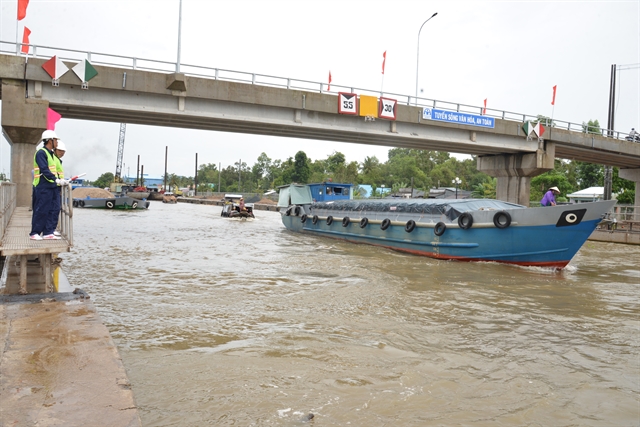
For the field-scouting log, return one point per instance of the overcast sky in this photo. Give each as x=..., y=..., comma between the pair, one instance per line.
x=510, y=52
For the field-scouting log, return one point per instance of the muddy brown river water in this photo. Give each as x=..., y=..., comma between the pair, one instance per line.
x=228, y=323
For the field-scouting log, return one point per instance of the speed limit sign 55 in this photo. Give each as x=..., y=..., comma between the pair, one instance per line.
x=347, y=103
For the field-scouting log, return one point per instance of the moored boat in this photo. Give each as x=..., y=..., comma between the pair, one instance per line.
x=460, y=229
x=115, y=202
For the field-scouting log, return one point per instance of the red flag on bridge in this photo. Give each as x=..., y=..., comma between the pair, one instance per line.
x=22, y=9
x=553, y=101
x=484, y=110
x=384, y=56
x=25, y=41
x=52, y=118
x=329, y=87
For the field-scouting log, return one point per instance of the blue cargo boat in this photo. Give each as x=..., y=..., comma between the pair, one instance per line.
x=463, y=230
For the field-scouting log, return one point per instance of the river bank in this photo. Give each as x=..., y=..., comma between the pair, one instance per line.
x=60, y=365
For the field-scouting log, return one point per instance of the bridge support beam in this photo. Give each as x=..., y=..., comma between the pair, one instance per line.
x=23, y=121
x=514, y=172
x=632, y=175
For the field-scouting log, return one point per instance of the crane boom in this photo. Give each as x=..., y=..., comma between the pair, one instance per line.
x=123, y=129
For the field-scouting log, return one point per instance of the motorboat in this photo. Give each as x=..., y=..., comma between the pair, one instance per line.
x=231, y=208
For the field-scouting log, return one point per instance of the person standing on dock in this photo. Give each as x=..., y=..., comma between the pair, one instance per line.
x=549, y=198
x=45, y=182
x=59, y=153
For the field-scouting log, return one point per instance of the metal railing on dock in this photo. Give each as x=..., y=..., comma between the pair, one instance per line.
x=7, y=204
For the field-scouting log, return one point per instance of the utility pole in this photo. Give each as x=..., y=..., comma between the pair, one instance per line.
x=138, y=172
x=166, y=153
x=608, y=170
x=219, y=171
x=239, y=169
x=195, y=179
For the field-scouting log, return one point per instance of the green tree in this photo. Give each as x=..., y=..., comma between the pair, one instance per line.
x=335, y=160
x=346, y=173
x=589, y=174
x=207, y=174
x=485, y=190
x=544, y=121
x=592, y=126
x=301, y=169
x=261, y=172
x=104, y=180
x=371, y=171
x=626, y=197
x=402, y=167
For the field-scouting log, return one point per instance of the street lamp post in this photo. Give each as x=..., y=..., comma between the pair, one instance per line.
x=457, y=182
x=418, y=54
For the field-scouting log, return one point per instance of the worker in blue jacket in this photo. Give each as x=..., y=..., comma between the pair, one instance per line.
x=45, y=183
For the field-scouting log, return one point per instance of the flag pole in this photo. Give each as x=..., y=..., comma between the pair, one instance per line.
x=179, y=37
x=17, y=21
x=384, y=61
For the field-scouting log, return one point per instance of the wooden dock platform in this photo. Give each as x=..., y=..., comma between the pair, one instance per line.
x=28, y=263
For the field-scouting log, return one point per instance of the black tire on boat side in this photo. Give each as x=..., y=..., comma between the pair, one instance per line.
x=465, y=221
x=329, y=220
x=364, y=222
x=410, y=226
x=314, y=219
x=81, y=203
x=346, y=221
x=502, y=219
x=440, y=228
x=110, y=204
x=303, y=218
x=385, y=223
x=75, y=203
x=297, y=211
x=134, y=205
x=288, y=212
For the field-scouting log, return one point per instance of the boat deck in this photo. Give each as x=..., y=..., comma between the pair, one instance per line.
x=20, y=250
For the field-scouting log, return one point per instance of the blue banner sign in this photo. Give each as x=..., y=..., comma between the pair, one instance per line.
x=458, y=118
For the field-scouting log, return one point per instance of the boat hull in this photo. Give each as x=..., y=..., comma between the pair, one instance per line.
x=120, y=203
x=536, y=237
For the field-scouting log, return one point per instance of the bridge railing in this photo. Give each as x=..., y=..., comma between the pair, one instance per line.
x=134, y=63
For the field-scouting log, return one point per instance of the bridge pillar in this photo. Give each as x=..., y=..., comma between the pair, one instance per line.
x=514, y=171
x=632, y=175
x=23, y=121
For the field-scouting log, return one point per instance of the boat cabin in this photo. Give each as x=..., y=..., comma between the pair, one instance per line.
x=328, y=191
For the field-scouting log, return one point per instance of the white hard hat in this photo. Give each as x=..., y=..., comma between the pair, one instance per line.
x=554, y=189
x=49, y=134
x=61, y=146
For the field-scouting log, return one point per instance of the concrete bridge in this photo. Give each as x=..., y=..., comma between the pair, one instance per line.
x=186, y=100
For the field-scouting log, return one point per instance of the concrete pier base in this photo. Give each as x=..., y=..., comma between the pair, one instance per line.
x=514, y=171
x=59, y=366
x=632, y=175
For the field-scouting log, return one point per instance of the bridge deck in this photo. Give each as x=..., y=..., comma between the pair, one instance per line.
x=22, y=275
